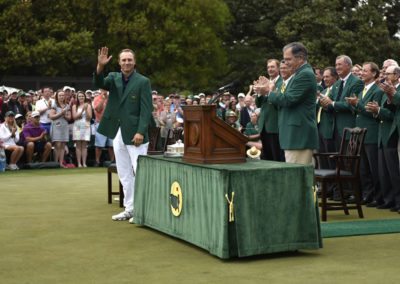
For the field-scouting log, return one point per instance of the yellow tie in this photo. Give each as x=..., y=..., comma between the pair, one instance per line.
x=364, y=92
x=283, y=87
x=320, y=108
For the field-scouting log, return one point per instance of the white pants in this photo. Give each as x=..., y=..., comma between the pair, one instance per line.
x=126, y=159
x=299, y=156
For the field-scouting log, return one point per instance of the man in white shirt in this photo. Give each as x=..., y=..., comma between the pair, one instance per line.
x=43, y=106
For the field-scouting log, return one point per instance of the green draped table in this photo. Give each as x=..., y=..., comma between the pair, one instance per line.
x=274, y=206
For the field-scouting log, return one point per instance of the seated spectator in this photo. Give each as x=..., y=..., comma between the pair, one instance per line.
x=35, y=139
x=252, y=132
x=232, y=120
x=9, y=135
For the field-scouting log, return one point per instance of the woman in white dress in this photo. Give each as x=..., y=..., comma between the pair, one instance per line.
x=81, y=113
x=9, y=137
x=59, y=114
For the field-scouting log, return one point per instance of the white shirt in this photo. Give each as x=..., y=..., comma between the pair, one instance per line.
x=42, y=105
x=5, y=135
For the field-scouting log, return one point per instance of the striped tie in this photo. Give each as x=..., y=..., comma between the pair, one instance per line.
x=283, y=88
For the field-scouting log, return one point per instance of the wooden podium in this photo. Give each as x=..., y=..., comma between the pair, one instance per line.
x=209, y=140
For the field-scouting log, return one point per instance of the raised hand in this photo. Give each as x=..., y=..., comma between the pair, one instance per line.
x=103, y=58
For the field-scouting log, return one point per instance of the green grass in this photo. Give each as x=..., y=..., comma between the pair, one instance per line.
x=55, y=227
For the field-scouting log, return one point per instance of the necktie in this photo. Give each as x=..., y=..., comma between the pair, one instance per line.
x=283, y=87
x=364, y=92
x=320, y=108
x=339, y=96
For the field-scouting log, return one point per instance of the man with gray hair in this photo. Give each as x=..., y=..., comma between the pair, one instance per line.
x=348, y=85
x=298, y=134
x=388, y=160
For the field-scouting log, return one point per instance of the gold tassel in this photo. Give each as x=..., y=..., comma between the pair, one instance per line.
x=231, y=209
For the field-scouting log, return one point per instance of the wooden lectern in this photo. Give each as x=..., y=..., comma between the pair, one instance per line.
x=209, y=140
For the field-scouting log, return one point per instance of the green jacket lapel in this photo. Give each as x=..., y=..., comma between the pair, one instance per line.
x=118, y=83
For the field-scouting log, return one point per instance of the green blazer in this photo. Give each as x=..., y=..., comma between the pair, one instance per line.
x=386, y=116
x=268, y=118
x=344, y=113
x=298, y=127
x=327, y=122
x=130, y=110
x=396, y=120
x=366, y=119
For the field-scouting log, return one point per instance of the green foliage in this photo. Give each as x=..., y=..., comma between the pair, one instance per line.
x=364, y=30
x=178, y=43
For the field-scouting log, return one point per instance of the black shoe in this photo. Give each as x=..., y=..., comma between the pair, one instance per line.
x=373, y=204
x=395, y=208
x=365, y=201
x=351, y=199
x=385, y=206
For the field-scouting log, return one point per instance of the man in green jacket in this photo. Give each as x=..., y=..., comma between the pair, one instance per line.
x=389, y=175
x=348, y=85
x=298, y=134
x=369, y=157
x=268, y=119
x=126, y=118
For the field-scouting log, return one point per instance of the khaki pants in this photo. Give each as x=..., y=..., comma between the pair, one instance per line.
x=299, y=156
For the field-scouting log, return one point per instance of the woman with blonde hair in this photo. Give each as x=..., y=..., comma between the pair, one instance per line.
x=60, y=113
x=81, y=113
x=10, y=136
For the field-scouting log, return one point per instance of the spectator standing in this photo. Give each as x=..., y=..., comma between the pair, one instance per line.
x=43, y=106
x=101, y=141
x=60, y=113
x=82, y=114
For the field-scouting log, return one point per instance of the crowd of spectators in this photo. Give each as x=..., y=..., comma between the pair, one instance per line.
x=43, y=125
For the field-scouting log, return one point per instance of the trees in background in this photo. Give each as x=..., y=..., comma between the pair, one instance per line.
x=194, y=45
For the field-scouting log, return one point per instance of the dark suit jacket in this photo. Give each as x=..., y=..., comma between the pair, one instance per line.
x=268, y=118
x=298, y=126
x=366, y=119
x=130, y=109
x=244, y=117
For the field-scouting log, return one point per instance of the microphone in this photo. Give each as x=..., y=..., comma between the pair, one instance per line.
x=221, y=90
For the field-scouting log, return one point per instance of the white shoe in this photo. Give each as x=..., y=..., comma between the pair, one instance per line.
x=131, y=221
x=123, y=216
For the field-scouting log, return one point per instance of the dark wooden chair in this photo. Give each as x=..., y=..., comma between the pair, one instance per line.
x=347, y=170
x=173, y=136
x=110, y=170
x=154, y=138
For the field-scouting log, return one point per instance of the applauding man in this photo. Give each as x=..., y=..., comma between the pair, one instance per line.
x=125, y=119
x=298, y=134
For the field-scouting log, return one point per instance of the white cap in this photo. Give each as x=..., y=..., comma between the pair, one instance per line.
x=241, y=95
x=67, y=88
x=88, y=91
x=202, y=95
x=18, y=115
x=35, y=113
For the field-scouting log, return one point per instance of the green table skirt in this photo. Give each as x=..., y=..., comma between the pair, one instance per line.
x=273, y=206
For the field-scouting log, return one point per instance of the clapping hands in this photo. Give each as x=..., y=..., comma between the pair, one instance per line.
x=263, y=86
